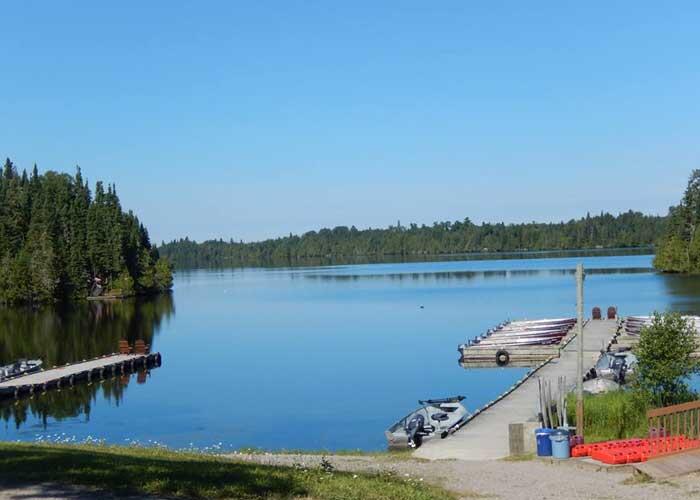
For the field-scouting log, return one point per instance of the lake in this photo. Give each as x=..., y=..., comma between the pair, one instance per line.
x=305, y=358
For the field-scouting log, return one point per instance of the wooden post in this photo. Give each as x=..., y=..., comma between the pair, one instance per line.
x=516, y=439
x=579, y=371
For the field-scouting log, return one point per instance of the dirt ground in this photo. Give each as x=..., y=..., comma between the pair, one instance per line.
x=56, y=492
x=523, y=480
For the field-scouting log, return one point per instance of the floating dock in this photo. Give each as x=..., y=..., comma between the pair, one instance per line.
x=477, y=356
x=485, y=436
x=92, y=370
x=626, y=340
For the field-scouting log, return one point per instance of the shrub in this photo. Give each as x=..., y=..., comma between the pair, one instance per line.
x=665, y=363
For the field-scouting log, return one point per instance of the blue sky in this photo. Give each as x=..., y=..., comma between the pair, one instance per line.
x=256, y=119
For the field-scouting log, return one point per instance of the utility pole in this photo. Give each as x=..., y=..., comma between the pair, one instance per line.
x=579, y=334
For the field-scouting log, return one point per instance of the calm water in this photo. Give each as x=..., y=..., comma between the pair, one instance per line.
x=320, y=357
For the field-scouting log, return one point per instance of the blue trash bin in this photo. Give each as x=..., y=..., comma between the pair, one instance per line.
x=544, y=444
x=560, y=443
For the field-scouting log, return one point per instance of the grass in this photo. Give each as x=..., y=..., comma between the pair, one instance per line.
x=612, y=415
x=153, y=471
x=519, y=458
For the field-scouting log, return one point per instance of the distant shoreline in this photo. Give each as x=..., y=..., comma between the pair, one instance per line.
x=445, y=257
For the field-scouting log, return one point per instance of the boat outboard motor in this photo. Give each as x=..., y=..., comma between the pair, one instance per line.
x=414, y=427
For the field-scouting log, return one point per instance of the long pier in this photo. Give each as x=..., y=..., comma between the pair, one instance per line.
x=485, y=437
x=86, y=371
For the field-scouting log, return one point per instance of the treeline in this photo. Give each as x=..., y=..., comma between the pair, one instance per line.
x=58, y=242
x=629, y=229
x=679, y=249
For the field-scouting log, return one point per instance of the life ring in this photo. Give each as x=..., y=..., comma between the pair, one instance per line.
x=502, y=357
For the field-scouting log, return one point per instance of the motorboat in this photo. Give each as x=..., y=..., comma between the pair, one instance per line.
x=20, y=367
x=435, y=417
x=615, y=366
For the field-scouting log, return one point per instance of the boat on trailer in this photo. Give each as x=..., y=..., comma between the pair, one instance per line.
x=435, y=417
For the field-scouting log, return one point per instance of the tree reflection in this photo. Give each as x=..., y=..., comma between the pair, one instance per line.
x=78, y=332
x=71, y=334
x=683, y=292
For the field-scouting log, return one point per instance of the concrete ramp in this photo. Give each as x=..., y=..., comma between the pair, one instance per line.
x=680, y=463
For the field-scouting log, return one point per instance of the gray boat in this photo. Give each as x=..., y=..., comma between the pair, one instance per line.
x=600, y=386
x=435, y=417
x=19, y=367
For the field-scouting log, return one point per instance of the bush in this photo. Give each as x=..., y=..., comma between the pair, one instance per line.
x=123, y=285
x=665, y=363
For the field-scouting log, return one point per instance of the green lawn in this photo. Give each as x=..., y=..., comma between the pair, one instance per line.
x=159, y=472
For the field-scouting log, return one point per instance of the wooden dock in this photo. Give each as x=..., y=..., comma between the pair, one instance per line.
x=522, y=355
x=625, y=341
x=477, y=356
x=108, y=366
x=485, y=436
x=669, y=466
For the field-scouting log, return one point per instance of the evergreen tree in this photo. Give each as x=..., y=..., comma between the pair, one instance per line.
x=626, y=230
x=57, y=243
x=679, y=248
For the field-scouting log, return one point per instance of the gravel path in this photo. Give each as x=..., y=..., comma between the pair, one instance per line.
x=49, y=491
x=523, y=480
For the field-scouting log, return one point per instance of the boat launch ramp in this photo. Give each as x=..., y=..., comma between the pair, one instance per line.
x=485, y=436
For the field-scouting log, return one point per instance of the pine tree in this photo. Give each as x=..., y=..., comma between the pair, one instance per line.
x=679, y=249
x=56, y=242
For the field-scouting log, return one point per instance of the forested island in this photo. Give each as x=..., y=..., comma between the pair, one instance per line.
x=626, y=230
x=679, y=248
x=59, y=242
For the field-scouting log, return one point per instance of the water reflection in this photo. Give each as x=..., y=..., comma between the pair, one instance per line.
x=683, y=293
x=326, y=262
x=471, y=275
x=82, y=331
x=71, y=334
x=67, y=403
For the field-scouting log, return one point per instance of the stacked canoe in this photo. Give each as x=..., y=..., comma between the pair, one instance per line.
x=536, y=339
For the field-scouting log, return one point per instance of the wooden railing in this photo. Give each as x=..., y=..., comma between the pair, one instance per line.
x=676, y=420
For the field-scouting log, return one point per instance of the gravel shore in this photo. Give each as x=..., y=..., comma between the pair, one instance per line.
x=522, y=480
